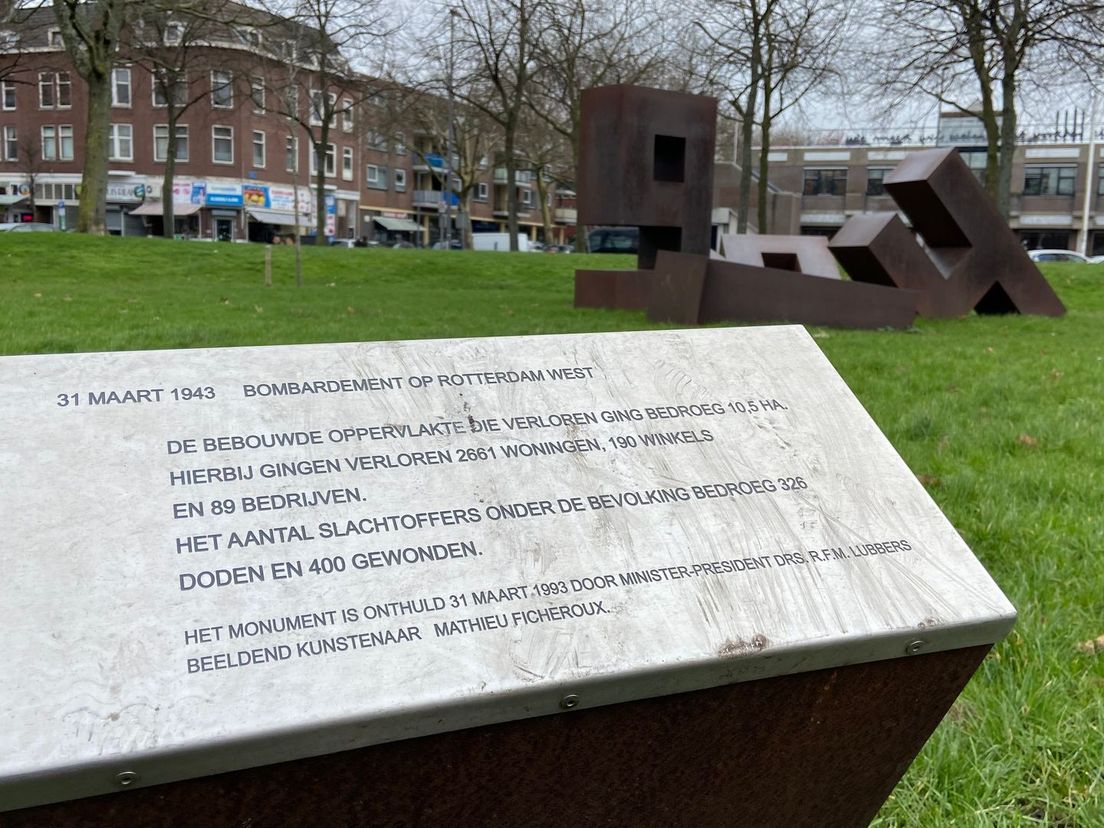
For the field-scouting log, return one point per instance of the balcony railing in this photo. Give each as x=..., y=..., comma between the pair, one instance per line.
x=524, y=177
x=567, y=215
x=433, y=198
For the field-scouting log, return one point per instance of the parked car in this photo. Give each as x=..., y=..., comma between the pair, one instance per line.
x=453, y=244
x=614, y=239
x=343, y=243
x=28, y=227
x=1058, y=256
x=401, y=245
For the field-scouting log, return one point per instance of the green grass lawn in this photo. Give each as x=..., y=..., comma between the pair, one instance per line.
x=1000, y=417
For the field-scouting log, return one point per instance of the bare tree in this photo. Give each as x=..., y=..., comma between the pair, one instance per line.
x=974, y=56
x=172, y=41
x=475, y=140
x=495, y=53
x=91, y=31
x=30, y=157
x=762, y=57
x=318, y=84
x=585, y=44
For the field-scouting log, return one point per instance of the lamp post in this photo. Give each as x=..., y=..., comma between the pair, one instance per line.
x=447, y=189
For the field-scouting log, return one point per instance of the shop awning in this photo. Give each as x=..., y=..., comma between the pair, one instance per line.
x=272, y=217
x=154, y=208
x=396, y=224
x=8, y=200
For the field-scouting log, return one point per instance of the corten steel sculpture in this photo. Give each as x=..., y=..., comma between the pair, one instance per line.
x=974, y=261
x=694, y=290
x=645, y=160
x=803, y=254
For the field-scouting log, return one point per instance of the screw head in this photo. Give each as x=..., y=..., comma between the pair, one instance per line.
x=126, y=778
x=914, y=647
x=569, y=701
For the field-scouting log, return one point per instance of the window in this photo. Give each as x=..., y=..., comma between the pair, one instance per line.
x=54, y=90
x=164, y=86
x=322, y=106
x=1100, y=180
x=291, y=154
x=481, y=192
x=120, y=86
x=174, y=33
x=347, y=164
x=346, y=115
x=250, y=37
x=825, y=182
x=1049, y=180
x=257, y=95
x=400, y=181
x=222, y=145
x=7, y=95
x=161, y=142
x=54, y=39
x=258, y=149
x=400, y=143
x=121, y=142
x=875, y=176
x=49, y=143
x=378, y=141
x=330, y=160
x=375, y=177
x=9, y=41
x=10, y=146
x=65, y=142
x=222, y=89
x=527, y=197
x=291, y=101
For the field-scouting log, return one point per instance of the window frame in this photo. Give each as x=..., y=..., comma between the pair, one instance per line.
x=398, y=177
x=1063, y=180
x=214, y=142
x=219, y=87
x=117, y=73
x=9, y=143
x=257, y=84
x=115, y=142
x=263, y=146
x=62, y=138
x=291, y=153
x=181, y=133
x=824, y=181
x=879, y=188
x=347, y=166
x=50, y=155
x=8, y=90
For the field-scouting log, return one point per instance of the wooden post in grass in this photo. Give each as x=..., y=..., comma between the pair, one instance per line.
x=268, y=265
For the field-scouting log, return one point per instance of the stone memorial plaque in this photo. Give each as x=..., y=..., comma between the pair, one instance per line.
x=216, y=559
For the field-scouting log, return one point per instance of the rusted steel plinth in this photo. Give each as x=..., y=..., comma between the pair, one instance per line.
x=823, y=749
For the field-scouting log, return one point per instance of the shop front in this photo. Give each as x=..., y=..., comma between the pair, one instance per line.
x=225, y=207
x=123, y=196
x=390, y=227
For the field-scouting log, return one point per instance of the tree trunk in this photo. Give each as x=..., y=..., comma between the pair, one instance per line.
x=463, y=218
x=546, y=210
x=1008, y=144
x=92, y=214
x=168, y=217
x=320, y=181
x=511, y=191
x=764, y=172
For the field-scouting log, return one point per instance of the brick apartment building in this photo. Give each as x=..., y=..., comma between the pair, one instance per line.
x=244, y=170
x=1057, y=181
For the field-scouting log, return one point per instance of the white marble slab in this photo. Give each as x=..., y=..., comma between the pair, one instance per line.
x=445, y=534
